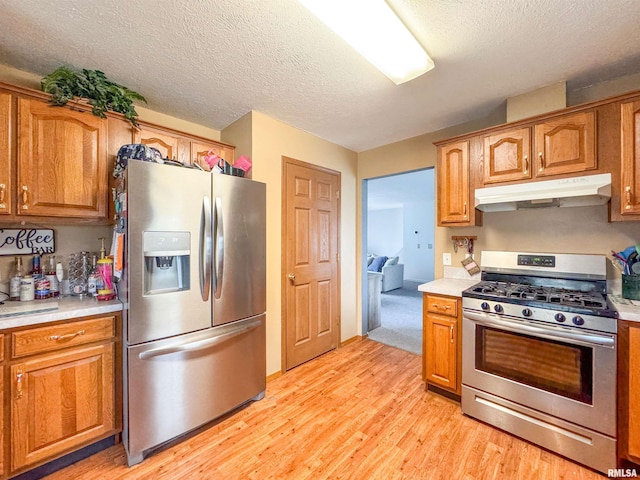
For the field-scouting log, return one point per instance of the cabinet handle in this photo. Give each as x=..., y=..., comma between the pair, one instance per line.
x=627, y=197
x=3, y=191
x=67, y=336
x=526, y=163
x=451, y=333
x=19, y=378
x=465, y=209
x=541, y=161
x=442, y=307
x=25, y=197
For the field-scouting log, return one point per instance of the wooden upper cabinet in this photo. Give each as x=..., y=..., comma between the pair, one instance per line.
x=507, y=156
x=166, y=143
x=453, y=184
x=199, y=150
x=62, y=161
x=5, y=154
x=565, y=144
x=630, y=164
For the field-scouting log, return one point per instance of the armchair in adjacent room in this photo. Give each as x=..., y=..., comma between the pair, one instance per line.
x=392, y=271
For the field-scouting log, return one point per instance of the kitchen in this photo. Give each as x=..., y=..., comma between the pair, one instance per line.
x=269, y=139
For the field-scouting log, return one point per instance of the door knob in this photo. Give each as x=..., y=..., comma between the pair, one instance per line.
x=291, y=276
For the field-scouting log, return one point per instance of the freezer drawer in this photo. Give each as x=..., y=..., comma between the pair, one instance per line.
x=178, y=384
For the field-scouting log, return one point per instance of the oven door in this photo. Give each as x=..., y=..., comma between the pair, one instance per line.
x=567, y=373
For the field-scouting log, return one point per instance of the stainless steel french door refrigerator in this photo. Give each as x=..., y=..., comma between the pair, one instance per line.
x=193, y=287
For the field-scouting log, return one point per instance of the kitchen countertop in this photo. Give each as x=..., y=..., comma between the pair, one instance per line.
x=627, y=309
x=455, y=280
x=68, y=308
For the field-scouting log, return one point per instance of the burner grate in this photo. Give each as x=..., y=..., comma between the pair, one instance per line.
x=552, y=295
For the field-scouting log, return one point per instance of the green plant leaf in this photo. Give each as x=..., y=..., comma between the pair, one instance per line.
x=65, y=84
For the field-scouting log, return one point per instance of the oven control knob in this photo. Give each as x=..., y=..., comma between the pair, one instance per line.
x=498, y=308
x=484, y=306
x=527, y=312
x=578, y=320
x=559, y=317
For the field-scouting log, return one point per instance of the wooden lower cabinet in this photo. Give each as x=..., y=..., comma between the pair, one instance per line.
x=442, y=342
x=629, y=391
x=62, y=398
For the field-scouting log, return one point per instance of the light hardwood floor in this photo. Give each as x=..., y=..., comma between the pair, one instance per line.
x=359, y=412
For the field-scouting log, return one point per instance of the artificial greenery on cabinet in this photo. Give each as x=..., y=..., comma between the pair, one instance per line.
x=65, y=84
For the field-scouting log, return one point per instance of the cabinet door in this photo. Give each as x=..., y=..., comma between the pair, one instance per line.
x=634, y=393
x=630, y=171
x=163, y=141
x=441, y=351
x=507, y=156
x=5, y=154
x=59, y=402
x=453, y=184
x=62, y=162
x=566, y=144
x=199, y=150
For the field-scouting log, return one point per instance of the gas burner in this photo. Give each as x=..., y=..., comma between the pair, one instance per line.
x=592, y=302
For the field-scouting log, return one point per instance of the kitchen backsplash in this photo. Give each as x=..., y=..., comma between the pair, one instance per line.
x=68, y=239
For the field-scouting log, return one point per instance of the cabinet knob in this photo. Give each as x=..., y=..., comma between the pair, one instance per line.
x=541, y=161
x=627, y=197
x=25, y=197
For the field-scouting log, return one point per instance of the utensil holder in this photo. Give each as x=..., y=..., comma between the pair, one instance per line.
x=631, y=287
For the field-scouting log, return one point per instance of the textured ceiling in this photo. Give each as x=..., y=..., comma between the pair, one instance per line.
x=213, y=61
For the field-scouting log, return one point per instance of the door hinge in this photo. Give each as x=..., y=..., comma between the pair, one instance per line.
x=338, y=257
x=338, y=194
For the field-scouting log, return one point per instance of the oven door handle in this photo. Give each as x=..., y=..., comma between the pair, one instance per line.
x=489, y=320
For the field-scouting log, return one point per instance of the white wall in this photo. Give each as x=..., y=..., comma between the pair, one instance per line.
x=384, y=232
x=418, y=249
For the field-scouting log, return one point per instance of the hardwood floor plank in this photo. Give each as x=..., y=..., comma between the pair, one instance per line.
x=359, y=412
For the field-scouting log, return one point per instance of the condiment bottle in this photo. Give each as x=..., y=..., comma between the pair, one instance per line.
x=50, y=274
x=15, y=279
x=27, y=290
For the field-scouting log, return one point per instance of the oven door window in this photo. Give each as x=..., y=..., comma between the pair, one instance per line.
x=549, y=365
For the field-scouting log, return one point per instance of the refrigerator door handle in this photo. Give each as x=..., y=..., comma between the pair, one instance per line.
x=199, y=344
x=205, y=249
x=219, y=255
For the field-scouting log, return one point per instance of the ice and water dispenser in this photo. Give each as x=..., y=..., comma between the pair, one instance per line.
x=166, y=261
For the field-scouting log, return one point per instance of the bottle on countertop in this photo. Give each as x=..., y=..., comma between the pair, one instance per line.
x=50, y=274
x=36, y=270
x=15, y=279
x=94, y=278
x=27, y=289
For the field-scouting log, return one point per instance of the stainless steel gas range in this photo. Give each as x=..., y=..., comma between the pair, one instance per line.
x=539, y=353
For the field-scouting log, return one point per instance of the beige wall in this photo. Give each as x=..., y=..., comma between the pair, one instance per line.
x=270, y=140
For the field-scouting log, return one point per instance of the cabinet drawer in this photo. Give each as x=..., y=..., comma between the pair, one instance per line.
x=443, y=306
x=45, y=339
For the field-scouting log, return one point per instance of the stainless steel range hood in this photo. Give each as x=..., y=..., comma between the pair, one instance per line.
x=565, y=192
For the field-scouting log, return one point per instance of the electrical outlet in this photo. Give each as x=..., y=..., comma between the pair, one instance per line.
x=446, y=259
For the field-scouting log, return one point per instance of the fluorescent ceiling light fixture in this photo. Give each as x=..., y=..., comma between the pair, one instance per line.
x=371, y=27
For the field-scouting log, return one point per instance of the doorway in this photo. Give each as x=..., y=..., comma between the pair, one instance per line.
x=398, y=223
x=310, y=263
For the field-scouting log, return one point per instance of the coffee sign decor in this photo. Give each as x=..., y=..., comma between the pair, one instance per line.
x=26, y=241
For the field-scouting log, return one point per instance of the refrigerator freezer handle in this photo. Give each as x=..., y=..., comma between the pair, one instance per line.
x=199, y=344
x=219, y=255
x=205, y=249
